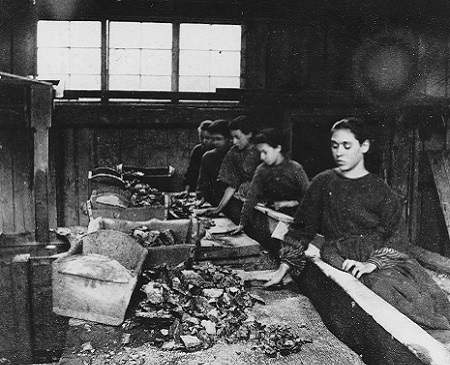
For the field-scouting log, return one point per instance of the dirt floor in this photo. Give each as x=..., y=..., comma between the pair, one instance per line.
x=282, y=306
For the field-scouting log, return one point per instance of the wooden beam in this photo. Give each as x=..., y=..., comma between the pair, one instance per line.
x=41, y=110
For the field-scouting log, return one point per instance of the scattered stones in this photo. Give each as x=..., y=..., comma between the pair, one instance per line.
x=192, y=308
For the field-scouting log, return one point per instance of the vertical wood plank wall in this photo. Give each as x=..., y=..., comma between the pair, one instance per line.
x=16, y=169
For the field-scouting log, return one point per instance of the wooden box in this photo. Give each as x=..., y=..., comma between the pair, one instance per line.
x=130, y=213
x=98, y=284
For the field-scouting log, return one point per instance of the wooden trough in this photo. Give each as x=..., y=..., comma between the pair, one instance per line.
x=371, y=327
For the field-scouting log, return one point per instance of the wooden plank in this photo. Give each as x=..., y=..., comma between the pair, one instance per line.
x=155, y=146
x=85, y=142
x=24, y=208
x=365, y=322
x=6, y=183
x=20, y=291
x=40, y=120
x=54, y=159
x=108, y=147
x=441, y=175
x=70, y=179
x=221, y=245
x=129, y=145
x=49, y=330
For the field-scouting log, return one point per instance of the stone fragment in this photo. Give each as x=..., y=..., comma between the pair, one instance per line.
x=190, y=341
x=212, y=293
x=209, y=326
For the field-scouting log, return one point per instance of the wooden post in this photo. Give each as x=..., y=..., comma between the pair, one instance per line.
x=41, y=97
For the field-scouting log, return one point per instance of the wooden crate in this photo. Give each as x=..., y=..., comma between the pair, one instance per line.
x=133, y=213
x=98, y=284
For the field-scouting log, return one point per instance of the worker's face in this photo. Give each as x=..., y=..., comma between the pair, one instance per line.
x=219, y=141
x=347, y=152
x=205, y=140
x=268, y=154
x=240, y=140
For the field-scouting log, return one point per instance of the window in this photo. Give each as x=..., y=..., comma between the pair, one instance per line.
x=210, y=57
x=70, y=52
x=140, y=55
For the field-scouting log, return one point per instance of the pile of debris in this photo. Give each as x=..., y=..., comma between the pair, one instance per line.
x=153, y=238
x=191, y=308
x=182, y=205
x=142, y=194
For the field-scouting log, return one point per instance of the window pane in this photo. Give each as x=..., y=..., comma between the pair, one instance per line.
x=85, y=61
x=124, y=61
x=84, y=82
x=156, y=83
x=53, y=60
x=125, y=35
x=85, y=34
x=195, y=36
x=156, y=62
x=156, y=35
x=209, y=50
x=194, y=63
x=225, y=63
x=224, y=82
x=53, y=34
x=124, y=82
x=226, y=37
x=194, y=83
x=74, y=56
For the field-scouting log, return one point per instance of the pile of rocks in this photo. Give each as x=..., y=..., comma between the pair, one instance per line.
x=153, y=238
x=191, y=308
x=182, y=205
x=142, y=194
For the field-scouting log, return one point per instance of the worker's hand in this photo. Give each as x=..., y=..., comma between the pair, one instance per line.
x=238, y=230
x=277, y=276
x=357, y=268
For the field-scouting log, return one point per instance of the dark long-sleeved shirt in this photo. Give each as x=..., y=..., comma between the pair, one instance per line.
x=286, y=181
x=239, y=166
x=361, y=220
x=193, y=170
x=208, y=187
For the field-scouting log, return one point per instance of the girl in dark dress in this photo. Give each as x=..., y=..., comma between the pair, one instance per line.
x=279, y=182
x=239, y=164
x=360, y=219
x=193, y=170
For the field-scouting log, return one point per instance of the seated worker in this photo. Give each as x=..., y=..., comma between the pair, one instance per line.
x=278, y=182
x=239, y=164
x=208, y=187
x=361, y=221
x=193, y=170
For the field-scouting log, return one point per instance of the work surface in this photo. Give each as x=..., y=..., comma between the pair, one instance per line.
x=282, y=306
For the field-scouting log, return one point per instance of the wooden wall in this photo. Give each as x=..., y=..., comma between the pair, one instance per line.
x=29, y=330
x=16, y=177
